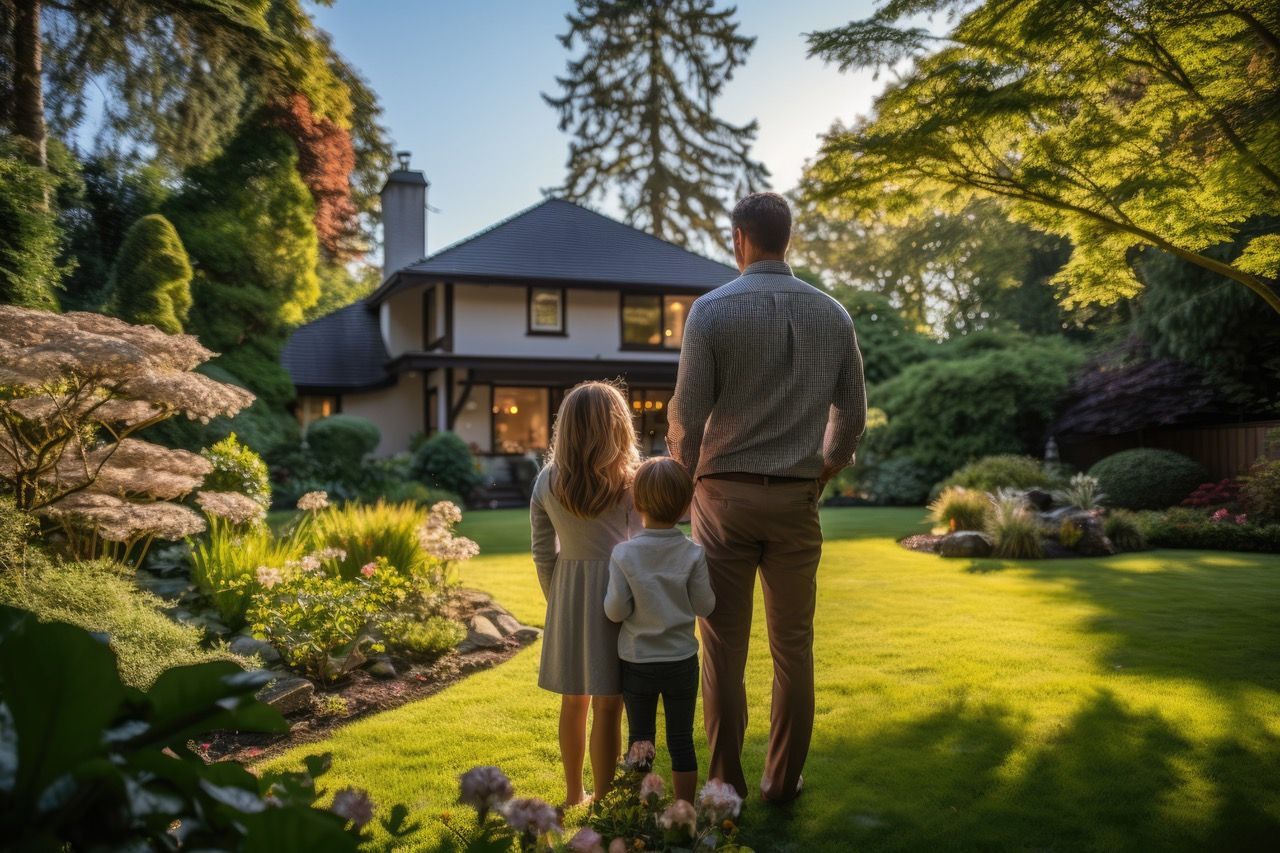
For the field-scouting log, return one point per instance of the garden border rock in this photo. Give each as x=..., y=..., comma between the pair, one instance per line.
x=366, y=693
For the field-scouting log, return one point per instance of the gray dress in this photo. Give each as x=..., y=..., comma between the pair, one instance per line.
x=579, y=642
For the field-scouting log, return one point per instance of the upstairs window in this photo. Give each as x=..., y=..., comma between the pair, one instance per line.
x=654, y=322
x=546, y=311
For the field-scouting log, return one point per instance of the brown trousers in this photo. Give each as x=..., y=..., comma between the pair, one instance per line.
x=774, y=528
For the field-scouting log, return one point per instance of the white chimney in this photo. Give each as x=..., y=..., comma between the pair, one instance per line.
x=404, y=217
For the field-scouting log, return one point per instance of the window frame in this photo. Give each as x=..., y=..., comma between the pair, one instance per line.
x=563, y=331
x=662, y=297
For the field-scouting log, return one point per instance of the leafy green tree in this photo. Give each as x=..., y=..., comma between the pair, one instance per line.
x=29, y=237
x=888, y=341
x=151, y=281
x=248, y=222
x=984, y=395
x=638, y=103
x=1118, y=125
x=1188, y=314
x=953, y=273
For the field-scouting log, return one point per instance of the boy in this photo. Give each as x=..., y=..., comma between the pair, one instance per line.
x=658, y=586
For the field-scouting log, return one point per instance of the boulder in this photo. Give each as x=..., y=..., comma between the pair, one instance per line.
x=502, y=620
x=1093, y=540
x=483, y=635
x=526, y=635
x=965, y=543
x=382, y=667
x=243, y=644
x=288, y=693
x=1040, y=499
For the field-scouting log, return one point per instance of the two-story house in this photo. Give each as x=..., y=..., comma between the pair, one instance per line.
x=484, y=337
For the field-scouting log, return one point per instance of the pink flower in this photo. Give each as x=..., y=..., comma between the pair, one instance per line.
x=718, y=801
x=586, y=840
x=530, y=816
x=354, y=805
x=368, y=569
x=652, y=789
x=640, y=756
x=484, y=788
x=1220, y=515
x=617, y=845
x=679, y=817
x=1242, y=518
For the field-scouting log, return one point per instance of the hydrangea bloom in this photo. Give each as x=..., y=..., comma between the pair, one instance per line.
x=485, y=788
x=313, y=501
x=718, y=801
x=369, y=569
x=586, y=840
x=354, y=805
x=640, y=755
x=652, y=789
x=679, y=816
x=531, y=815
x=268, y=577
x=236, y=508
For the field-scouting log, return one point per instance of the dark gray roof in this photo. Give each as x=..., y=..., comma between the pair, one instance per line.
x=559, y=241
x=341, y=351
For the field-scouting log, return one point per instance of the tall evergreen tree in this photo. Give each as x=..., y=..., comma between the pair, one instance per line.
x=151, y=281
x=638, y=102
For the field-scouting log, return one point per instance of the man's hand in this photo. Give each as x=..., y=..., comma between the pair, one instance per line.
x=828, y=474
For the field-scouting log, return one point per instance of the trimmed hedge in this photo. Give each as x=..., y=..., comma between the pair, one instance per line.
x=339, y=443
x=1147, y=478
x=1186, y=528
x=1001, y=471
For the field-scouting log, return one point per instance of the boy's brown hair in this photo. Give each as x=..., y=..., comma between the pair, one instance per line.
x=662, y=489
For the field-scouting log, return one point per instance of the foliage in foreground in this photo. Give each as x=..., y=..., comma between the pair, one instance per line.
x=637, y=815
x=93, y=764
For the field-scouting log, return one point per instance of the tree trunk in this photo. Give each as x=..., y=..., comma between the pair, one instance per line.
x=28, y=86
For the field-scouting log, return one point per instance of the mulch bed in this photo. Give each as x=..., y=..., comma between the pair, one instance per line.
x=366, y=694
x=927, y=542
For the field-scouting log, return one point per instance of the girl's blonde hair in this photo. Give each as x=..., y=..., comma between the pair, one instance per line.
x=593, y=449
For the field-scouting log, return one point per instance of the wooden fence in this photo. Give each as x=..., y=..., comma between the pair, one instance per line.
x=1225, y=450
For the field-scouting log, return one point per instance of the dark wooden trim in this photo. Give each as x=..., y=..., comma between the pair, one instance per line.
x=447, y=344
x=564, y=313
x=644, y=371
x=456, y=410
x=406, y=278
x=338, y=390
x=430, y=405
x=448, y=398
x=430, y=310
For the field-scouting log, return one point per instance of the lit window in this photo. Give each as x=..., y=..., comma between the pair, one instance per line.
x=311, y=409
x=654, y=321
x=521, y=419
x=546, y=311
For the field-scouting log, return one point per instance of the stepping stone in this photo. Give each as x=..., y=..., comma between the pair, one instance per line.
x=288, y=693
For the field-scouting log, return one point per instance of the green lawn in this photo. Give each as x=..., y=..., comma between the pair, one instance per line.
x=1131, y=703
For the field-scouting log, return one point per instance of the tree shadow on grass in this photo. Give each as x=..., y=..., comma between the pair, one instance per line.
x=1110, y=779
x=1208, y=617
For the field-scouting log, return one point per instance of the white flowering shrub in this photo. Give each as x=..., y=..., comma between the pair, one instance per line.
x=74, y=388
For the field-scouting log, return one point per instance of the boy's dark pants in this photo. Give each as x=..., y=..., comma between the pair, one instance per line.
x=677, y=683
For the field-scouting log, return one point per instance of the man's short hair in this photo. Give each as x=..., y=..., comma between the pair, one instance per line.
x=766, y=220
x=662, y=489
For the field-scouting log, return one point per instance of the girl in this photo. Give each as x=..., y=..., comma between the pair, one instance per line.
x=581, y=507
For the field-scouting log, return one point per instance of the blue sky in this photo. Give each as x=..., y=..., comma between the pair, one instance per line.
x=460, y=84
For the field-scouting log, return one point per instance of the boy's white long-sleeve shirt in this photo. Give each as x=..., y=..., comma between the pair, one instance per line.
x=658, y=586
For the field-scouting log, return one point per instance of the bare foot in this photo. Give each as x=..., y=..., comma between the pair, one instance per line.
x=586, y=800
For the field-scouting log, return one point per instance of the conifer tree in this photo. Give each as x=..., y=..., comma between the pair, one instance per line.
x=638, y=103
x=151, y=281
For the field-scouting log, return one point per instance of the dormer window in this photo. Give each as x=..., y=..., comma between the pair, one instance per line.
x=546, y=311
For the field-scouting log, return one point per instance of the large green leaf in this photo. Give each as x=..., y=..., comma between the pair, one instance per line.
x=189, y=700
x=62, y=690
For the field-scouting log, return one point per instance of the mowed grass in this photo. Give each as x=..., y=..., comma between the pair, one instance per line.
x=1128, y=703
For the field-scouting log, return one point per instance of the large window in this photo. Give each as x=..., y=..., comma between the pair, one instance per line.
x=521, y=419
x=654, y=322
x=649, y=408
x=312, y=409
x=546, y=311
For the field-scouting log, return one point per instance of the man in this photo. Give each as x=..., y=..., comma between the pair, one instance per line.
x=769, y=405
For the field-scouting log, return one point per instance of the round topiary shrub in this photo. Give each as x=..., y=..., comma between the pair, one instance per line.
x=1001, y=471
x=445, y=462
x=339, y=444
x=898, y=482
x=1147, y=478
